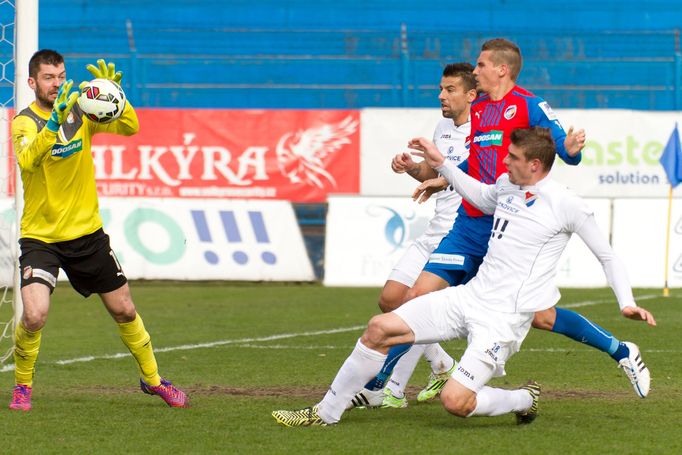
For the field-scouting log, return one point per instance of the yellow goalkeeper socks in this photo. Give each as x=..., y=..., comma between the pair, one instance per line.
x=139, y=343
x=27, y=345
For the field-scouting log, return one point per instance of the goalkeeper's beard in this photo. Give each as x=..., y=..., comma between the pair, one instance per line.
x=45, y=100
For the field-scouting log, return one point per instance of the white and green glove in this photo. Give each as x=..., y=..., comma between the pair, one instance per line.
x=104, y=71
x=62, y=106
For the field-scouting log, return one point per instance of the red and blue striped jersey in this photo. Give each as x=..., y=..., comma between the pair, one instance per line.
x=491, y=125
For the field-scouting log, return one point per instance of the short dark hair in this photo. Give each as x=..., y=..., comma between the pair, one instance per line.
x=537, y=143
x=43, y=57
x=464, y=71
x=505, y=52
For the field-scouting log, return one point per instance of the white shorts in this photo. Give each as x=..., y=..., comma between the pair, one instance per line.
x=410, y=265
x=455, y=313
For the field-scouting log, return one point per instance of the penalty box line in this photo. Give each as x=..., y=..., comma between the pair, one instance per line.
x=247, y=342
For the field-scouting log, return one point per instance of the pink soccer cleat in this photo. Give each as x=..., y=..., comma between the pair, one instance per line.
x=21, y=398
x=173, y=396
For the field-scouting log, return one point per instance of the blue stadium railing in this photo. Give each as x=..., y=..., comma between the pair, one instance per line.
x=343, y=68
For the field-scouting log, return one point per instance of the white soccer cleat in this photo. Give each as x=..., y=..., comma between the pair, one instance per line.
x=636, y=371
x=367, y=399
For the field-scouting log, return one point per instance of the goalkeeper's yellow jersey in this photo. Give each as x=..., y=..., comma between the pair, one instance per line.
x=58, y=172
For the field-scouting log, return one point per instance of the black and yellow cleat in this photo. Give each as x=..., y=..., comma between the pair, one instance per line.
x=306, y=417
x=526, y=417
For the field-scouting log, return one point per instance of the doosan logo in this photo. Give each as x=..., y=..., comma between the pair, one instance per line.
x=63, y=151
x=488, y=139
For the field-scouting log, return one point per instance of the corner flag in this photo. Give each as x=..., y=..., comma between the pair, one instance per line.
x=671, y=158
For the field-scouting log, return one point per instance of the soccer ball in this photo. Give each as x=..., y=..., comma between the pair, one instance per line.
x=102, y=100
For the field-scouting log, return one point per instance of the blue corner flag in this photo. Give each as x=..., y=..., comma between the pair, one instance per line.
x=671, y=158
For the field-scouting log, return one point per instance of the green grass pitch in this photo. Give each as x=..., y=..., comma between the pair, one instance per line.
x=243, y=350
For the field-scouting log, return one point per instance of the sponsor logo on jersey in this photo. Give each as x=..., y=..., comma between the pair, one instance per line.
x=65, y=151
x=547, y=110
x=445, y=136
x=449, y=259
x=510, y=112
x=507, y=207
x=489, y=139
x=530, y=198
x=452, y=155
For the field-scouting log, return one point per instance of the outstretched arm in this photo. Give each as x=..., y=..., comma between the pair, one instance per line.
x=403, y=163
x=484, y=197
x=428, y=188
x=614, y=270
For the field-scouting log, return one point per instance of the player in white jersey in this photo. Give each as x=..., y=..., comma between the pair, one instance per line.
x=457, y=91
x=534, y=219
x=450, y=139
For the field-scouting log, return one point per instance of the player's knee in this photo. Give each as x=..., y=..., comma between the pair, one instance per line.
x=123, y=312
x=544, y=320
x=33, y=320
x=457, y=404
x=375, y=335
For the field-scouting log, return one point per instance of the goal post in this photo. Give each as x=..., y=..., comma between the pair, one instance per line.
x=21, y=17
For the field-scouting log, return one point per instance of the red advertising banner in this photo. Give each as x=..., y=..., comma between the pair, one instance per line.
x=296, y=155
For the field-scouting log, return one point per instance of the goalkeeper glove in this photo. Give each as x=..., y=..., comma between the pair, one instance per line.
x=104, y=71
x=62, y=106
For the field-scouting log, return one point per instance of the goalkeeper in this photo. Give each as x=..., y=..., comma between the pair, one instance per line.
x=61, y=225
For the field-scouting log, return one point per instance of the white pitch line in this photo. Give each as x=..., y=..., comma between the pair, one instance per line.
x=244, y=342
x=185, y=347
x=611, y=300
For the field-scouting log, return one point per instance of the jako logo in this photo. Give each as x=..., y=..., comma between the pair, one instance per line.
x=488, y=139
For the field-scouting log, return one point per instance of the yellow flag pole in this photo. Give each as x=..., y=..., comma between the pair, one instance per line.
x=666, y=290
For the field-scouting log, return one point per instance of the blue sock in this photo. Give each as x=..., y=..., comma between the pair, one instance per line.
x=581, y=329
x=394, y=354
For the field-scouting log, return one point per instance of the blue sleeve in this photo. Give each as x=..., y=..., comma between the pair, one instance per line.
x=540, y=114
x=464, y=166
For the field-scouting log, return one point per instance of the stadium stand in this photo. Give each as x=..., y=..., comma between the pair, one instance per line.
x=356, y=54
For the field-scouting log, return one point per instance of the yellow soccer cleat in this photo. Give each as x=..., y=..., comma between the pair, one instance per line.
x=306, y=417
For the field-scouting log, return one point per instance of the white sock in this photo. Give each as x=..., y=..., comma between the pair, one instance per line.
x=494, y=402
x=439, y=359
x=403, y=370
x=361, y=366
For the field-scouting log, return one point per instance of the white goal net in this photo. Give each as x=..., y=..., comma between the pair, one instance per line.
x=18, y=41
x=8, y=245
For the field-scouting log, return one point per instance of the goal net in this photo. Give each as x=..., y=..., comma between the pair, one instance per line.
x=18, y=41
x=8, y=248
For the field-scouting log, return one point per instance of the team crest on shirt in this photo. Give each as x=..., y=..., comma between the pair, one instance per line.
x=530, y=198
x=510, y=112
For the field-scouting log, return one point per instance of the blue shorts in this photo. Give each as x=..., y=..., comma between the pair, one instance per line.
x=460, y=253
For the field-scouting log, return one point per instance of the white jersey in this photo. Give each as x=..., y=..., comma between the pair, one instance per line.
x=451, y=142
x=531, y=228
